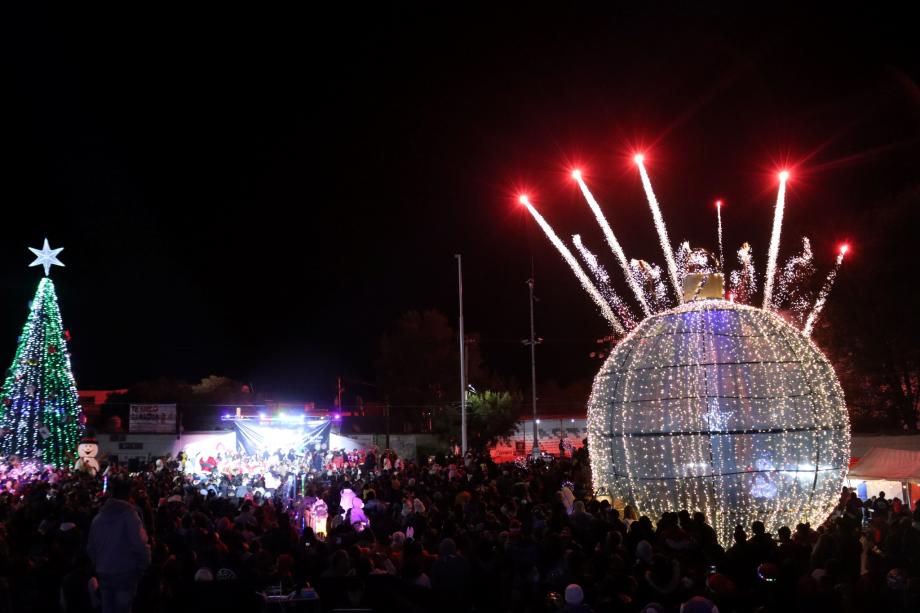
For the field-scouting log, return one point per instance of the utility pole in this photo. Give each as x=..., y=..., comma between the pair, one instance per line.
x=462, y=360
x=533, y=373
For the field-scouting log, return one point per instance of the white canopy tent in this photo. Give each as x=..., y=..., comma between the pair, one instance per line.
x=894, y=471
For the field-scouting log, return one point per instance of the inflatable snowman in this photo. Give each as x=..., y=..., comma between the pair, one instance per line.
x=86, y=460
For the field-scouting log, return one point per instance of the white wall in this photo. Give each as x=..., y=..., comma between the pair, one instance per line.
x=155, y=445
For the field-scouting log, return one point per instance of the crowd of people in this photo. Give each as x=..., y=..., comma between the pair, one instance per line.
x=285, y=472
x=446, y=533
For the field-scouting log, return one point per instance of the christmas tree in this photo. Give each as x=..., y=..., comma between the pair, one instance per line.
x=40, y=414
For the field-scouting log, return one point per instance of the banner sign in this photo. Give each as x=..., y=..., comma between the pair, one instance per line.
x=255, y=438
x=152, y=418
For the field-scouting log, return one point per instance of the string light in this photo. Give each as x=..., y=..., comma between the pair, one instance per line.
x=716, y=405
x=40, y=411
x=723, y=408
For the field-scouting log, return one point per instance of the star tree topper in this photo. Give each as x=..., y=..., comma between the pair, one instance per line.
x=46, y=256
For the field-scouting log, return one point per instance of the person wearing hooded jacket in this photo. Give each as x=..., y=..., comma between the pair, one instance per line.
x=119, y=549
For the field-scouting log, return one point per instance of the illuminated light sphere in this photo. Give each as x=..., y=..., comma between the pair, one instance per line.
x=638, y=158
x=576, y=174
x=523, y=199
x=784, y=175
x=723, y=408
x=844, y=248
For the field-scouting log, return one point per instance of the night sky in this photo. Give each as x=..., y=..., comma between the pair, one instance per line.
x=260, y=195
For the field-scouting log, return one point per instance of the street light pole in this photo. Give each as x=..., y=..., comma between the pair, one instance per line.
x=533, y=374
x=462, y=360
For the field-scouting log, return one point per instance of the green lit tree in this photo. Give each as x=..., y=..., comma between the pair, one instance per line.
x=40, y=414
x=491, y=417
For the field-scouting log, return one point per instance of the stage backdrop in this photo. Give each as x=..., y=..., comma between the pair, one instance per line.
x=253, y=437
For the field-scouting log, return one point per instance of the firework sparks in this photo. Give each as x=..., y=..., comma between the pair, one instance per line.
x=682, y=259
x=744, y=281
x=659, y=225
x=611, y=240
x=719, y=224
x=576, y=267
x=774, y=238
x=603, y=284
x=825, y=290
x=649, y=277
x=784, y=288
x=794, y=278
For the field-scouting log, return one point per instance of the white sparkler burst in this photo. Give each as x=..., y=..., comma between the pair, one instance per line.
x=660, y=227
x=611, y=240
x=791, y=290
x=774, y=239
x=576, y=268
x=603, y=284
x=649, y=276
x=786, y=289
x=744, y=282
x=682, y=258
x=824, y=292
x=719, y=222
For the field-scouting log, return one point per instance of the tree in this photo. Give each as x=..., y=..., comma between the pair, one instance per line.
x=198, y=404
x=867, y=328
x=41, y=415
x=491, y=417
x=213, y=389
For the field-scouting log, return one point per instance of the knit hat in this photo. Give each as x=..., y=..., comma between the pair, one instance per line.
x=574, y=594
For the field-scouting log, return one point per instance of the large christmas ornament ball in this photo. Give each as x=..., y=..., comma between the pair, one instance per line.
x=721, y=408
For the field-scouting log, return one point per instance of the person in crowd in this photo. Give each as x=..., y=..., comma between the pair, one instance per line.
x=118, y=548
x=450, y=533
